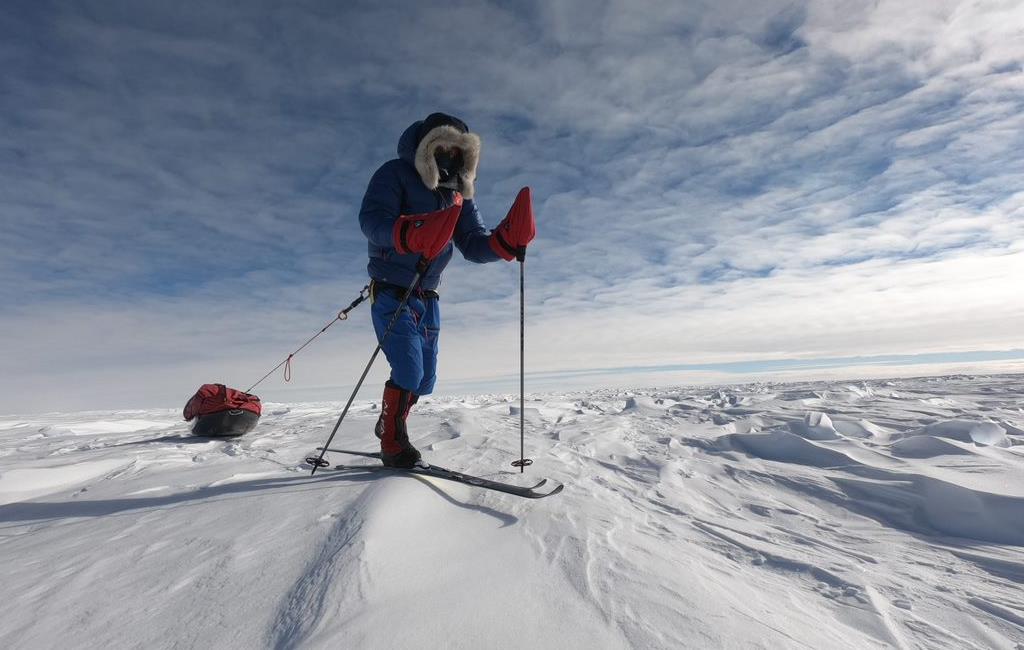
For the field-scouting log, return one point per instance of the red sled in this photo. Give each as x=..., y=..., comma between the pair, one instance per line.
x=220, y=411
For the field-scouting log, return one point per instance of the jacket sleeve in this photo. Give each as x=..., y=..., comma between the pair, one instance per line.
x=471, y=237
x=381, y=206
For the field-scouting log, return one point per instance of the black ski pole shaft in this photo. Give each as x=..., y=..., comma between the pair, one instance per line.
x=522, y=365
x=523, y=460
x=421, y=268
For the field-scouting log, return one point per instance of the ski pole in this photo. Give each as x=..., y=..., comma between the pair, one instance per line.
x=421, y=268
x=523, y=461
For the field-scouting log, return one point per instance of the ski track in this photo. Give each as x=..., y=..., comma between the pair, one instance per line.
x=872, y=514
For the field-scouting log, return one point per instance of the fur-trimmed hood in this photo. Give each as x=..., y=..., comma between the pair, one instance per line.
x=419, y=152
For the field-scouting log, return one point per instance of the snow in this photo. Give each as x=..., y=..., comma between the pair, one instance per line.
x=21, y=484
x=825, y=515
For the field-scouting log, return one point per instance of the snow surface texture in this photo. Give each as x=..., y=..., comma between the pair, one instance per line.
x=867, y=515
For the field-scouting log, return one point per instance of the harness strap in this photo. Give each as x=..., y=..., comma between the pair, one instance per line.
x=398, y=292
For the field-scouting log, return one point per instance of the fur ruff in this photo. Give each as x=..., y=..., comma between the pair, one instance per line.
x=448, y=136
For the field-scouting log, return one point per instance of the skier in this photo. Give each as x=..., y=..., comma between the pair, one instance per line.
x=416, y=209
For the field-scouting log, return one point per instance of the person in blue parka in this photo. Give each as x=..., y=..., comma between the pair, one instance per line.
x=434, y=172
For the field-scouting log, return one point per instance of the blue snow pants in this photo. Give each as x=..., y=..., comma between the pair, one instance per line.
x=411, y=348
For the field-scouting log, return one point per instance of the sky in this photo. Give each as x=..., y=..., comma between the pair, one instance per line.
x=721, y=188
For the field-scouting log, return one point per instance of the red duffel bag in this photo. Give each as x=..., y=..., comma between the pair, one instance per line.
x=222, y=411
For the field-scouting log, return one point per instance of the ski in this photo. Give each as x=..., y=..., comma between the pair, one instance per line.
x=424, y=469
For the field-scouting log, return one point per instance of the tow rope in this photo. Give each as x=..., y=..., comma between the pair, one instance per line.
x=364, y=293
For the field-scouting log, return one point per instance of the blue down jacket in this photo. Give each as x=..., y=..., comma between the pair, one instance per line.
x=397, y=189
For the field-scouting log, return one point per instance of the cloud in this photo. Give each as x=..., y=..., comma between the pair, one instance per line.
x=714, y=182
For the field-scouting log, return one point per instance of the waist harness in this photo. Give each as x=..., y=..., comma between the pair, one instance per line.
x=398, y=292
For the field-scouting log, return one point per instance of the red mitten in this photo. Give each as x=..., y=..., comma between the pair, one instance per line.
x=518, y=229
x=428, y=233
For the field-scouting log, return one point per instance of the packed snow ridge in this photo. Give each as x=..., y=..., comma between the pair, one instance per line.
x=828, y=515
